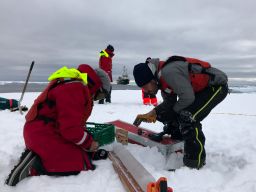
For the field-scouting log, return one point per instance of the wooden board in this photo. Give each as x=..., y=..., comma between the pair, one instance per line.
x=133, y=175
x=172, y=150
x=166, y=146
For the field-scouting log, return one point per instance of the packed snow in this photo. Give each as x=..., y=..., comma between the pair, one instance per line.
x=230, y=146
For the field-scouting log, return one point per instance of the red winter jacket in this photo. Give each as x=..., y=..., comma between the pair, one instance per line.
x=105, y=62
x=61, y=141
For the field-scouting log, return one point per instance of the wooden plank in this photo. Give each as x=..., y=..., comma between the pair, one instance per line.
x=137, y=170
x=122, y=136
x=125, y=176
x=133, y=175
x=172, y=150
x=143, y=132
x=166, y=147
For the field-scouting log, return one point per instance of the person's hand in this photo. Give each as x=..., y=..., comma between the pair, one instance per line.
x=94, y=146
x=148, y=118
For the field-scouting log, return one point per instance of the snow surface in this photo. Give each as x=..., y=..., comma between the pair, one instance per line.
x=230, y=145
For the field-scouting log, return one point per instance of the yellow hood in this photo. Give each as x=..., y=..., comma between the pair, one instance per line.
x=64, y=72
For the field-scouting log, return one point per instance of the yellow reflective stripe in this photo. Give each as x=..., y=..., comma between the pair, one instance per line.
x=219, y=89
x=104, y=53
x=64, y=72
x=201, y=150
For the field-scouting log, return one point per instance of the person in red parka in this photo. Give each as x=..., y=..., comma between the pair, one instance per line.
x=56, y=139
x=105, y=63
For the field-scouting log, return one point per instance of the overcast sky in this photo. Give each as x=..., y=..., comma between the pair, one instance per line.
x=55, y=33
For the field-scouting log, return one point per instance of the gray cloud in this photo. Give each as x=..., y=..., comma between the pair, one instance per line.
x=64, y=32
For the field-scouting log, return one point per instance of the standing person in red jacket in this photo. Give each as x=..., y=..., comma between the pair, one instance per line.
x=56, y=139
x=105, y=63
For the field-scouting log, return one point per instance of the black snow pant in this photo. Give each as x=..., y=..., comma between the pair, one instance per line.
x=205, y=101
x=108, y=97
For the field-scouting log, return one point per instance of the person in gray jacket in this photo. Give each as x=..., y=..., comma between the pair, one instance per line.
x=190, y=88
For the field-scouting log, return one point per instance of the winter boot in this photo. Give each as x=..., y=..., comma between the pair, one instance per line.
x=146, y=101
x=108, y=98
x=101, y=101
x=154, y=101
x=23, y=169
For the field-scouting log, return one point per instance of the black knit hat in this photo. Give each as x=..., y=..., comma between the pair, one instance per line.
x=110, y=48
x=142, y=74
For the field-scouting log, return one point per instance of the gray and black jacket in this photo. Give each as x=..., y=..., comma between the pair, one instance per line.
x=176, y=75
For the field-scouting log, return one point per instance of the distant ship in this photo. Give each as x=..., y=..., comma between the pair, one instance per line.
x=124, y=79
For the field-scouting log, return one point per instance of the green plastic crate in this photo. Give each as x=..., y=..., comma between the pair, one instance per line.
x=102, y=133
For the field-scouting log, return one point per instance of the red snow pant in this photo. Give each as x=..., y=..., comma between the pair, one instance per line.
x=149, y=98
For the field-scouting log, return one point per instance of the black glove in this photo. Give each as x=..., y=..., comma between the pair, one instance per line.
x=100, y=154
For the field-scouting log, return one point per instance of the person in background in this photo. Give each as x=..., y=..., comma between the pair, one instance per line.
x=105, y=63
x=11, y=104
x=148, y=98
x=190, y=88
x=57, y=141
